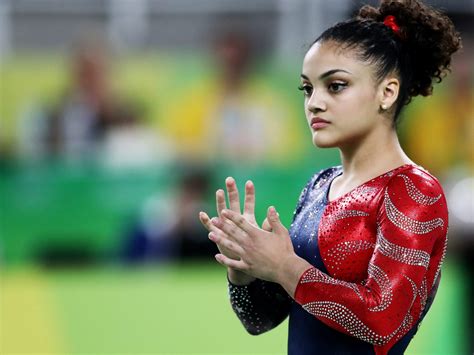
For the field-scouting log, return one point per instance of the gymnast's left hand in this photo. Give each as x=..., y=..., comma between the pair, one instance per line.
x=262, y=254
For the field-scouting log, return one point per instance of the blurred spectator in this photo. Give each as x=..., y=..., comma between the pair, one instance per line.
x=87, y=112
x=447, y=117
x=235, y=116
x=132, y=145
x=166, y=229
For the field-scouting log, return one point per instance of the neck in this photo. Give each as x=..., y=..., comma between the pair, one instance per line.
x=377, y=153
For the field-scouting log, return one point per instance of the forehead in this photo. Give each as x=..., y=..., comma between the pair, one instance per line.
x=322, y=57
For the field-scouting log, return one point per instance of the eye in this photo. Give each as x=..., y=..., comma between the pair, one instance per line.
x=307, y=89
x=337, y=86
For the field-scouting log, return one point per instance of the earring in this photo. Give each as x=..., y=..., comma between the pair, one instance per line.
x=383, y=107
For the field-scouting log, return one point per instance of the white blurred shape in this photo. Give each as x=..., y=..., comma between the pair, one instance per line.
x=5, y=25
x=461, y=201
x=134, y=148
x=128, y=24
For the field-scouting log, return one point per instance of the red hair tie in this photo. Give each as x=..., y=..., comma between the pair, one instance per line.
x=390, y=22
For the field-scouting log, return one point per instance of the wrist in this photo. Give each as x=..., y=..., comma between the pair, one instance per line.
x=290, y=272
x=239, y=278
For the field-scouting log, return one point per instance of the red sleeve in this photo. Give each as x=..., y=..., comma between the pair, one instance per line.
x=411, y=238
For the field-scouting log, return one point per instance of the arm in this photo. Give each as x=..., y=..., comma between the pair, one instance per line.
x=411, y=239
x=411, y=232
x=260, y=305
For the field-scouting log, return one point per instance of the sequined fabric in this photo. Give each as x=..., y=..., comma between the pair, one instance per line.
x=260, y=306
x=376, y=254
x=382, y=245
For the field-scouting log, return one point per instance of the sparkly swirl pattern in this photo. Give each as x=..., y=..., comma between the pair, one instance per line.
x=314, y=276
x=343, y=316
x=383, y=281
x=346, y=214
x=402, y=254
x=344, y=249
x=407, y=228
x=423, y=293
x=408, y=224
x=416, y=195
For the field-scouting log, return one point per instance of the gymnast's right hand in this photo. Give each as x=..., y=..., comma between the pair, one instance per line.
x=235, y=276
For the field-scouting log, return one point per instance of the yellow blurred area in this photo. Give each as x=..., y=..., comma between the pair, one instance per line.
x=29, y=322
x=439, y=131
x=193, y=115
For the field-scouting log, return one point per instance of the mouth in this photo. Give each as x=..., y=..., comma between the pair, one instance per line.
x=318, y=123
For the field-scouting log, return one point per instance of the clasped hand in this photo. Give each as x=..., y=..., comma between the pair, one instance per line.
x=243, y=245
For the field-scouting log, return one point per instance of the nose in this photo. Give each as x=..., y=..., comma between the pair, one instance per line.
x=316, y=103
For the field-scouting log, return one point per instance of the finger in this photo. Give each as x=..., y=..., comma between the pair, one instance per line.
x=249, y=202
x=274, y=220
x=220, y=201
x=266, y=225
x=233, y=194
x=239, y=221
x=230, y=229
x=206, y=221
x=226, y=243
x=234, y=264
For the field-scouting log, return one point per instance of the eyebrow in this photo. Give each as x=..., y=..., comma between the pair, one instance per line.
x=326, y=74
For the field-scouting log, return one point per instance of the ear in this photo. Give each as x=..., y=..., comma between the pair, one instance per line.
x=388, y=92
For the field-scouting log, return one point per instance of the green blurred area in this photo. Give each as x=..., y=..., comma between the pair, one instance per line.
x=90, y=207
x=162, y=309
x=54, y=202
x=168, y=309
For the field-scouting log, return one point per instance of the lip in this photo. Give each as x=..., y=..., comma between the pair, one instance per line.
x=318, y=122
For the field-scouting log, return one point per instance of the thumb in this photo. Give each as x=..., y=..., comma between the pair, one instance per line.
x=266, y=225
x=274, y=220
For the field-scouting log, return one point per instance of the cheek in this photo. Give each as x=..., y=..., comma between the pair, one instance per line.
x=356, y=101
x=357, y=106
x=307, y=112
x=353, y=115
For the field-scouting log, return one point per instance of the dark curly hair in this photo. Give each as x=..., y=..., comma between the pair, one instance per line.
x=419, y=53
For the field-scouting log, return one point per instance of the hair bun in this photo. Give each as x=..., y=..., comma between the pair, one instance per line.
x=428, y=40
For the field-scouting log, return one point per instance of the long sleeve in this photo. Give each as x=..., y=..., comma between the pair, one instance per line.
x=263, y=305
x=411, y=235
x=260, y=306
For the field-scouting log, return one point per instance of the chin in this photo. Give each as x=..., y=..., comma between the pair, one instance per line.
x=323, y=142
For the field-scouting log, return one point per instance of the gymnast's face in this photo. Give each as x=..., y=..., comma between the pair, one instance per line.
x=341, y=90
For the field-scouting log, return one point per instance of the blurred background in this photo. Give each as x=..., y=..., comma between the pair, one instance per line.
x=118, y=121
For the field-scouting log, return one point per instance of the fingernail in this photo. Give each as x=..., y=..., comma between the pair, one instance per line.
x=212, y=236
x=273, y=212
x=229, y=180
x=218, y=257
x=215, y=221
